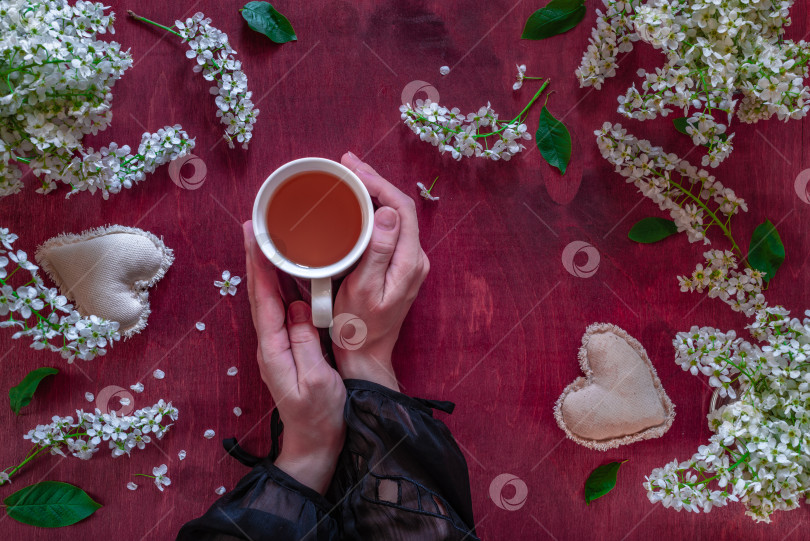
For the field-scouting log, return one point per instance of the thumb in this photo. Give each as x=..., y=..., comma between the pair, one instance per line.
x=370, y=272
x=304, y=340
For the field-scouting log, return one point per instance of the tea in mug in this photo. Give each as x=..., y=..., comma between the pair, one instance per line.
x=314, y=219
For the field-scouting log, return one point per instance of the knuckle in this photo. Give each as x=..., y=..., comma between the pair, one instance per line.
x=408, y=204
x=317, y=380
x=382, y=246
x=425, y=266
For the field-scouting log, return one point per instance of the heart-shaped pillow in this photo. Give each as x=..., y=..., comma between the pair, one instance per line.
x=620, y=400
x=106, y=272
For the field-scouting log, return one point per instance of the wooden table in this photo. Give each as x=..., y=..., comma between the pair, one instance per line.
x=498, y=322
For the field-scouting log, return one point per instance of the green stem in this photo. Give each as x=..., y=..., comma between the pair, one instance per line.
x=714, y=217
x=534, y=99
x=144, y=19
x=742, y=460
x=431, y=185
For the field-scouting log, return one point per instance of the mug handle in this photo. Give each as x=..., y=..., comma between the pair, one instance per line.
x=322, y=302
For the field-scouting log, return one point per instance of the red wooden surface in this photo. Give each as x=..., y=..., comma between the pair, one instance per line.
x=499, y=320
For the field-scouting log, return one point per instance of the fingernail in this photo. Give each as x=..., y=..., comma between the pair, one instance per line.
x=299, y=312
x=386, y=218
x=351, y=155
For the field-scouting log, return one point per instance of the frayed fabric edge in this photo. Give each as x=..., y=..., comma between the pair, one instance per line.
x=580, y=382
x=139, y=288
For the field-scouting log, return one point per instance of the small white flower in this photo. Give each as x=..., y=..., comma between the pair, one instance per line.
x=521, y=74
x=444, y=70
x=125, y=401
x=159, y=374
x=159, y=472
x=138, y=387
x=423, y=192
x=209, y=434
x=232, y=371
x=132, y=486
x=237, y=411
x=182, y=454
x=228, y=283
x=220, y=491
x=4, y=478
x=89, y=396
x=200, y=326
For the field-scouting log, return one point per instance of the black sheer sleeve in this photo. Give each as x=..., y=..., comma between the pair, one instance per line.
x=401, y=475
x=267, y=504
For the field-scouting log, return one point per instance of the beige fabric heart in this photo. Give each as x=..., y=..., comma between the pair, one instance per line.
x=106, y=272
x=620, y=400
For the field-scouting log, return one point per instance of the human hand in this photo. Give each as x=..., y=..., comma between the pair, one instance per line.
x=307, y=391
x=382, y=288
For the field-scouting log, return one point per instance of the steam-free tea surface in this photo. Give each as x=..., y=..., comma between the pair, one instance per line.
x=314, y=219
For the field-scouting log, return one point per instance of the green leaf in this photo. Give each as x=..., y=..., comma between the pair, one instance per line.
x=50, y=504
x=649, y=230
x=553, y=141
x=263, y=18
x=681, y=124
x=21, y=395
x=766, y=251
x=601, y=481
x=557, y=17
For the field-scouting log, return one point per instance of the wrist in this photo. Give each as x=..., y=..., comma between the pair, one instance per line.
x=312, y=466
x=366, y=366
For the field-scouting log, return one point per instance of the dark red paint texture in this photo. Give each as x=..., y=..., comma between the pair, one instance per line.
x=498, y=322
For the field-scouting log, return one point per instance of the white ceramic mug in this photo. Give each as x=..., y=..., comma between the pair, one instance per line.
x=321, y=276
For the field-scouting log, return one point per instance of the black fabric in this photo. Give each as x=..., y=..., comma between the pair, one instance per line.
x=233, y=448
x=400, y=477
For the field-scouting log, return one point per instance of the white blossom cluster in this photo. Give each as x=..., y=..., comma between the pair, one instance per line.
x=614, y=33
x=462, y=135
x=675, y=185
x=721, y=279
x=723, y=57
x=42, y=314
x=758, y=453
x=111, y=168
x=56, y=82
x=213, y=53
x=83, y=437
